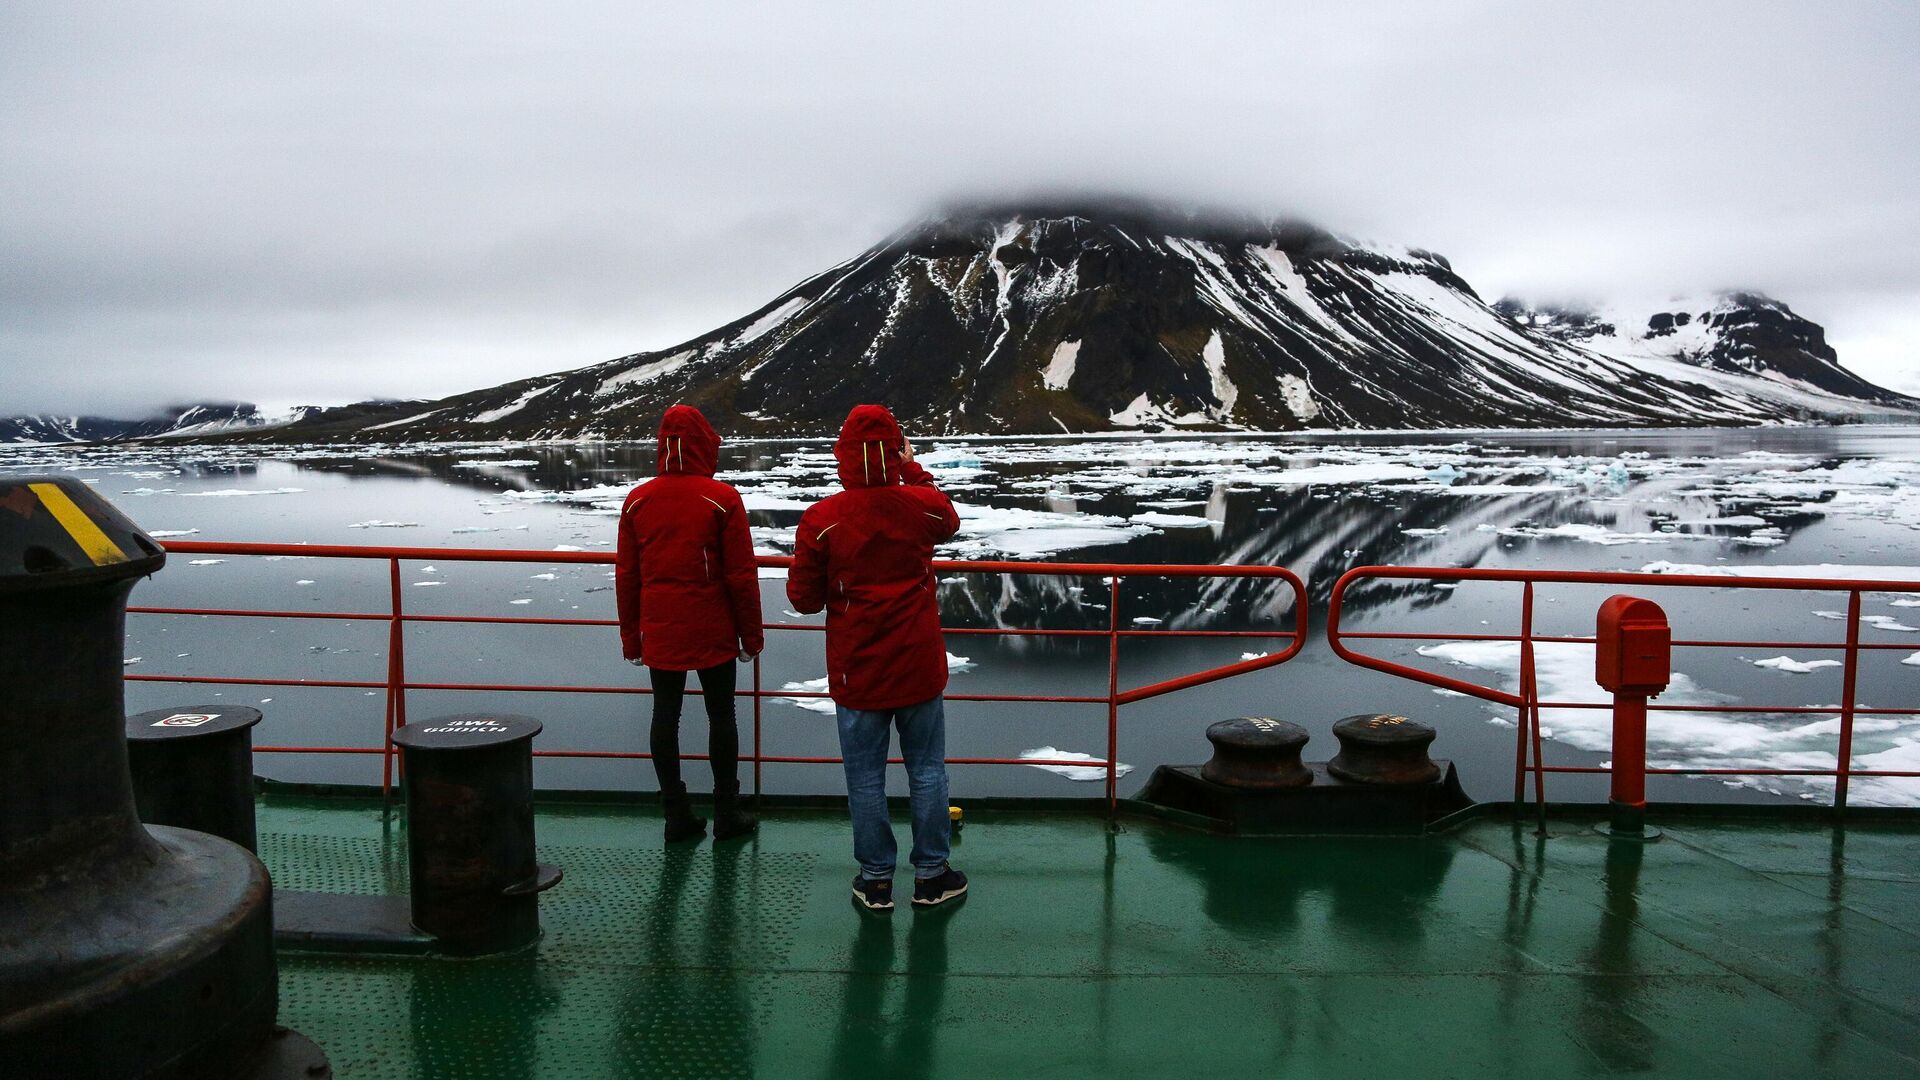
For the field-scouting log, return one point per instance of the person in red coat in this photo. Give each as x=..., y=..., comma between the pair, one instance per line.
x=864, y=555
x=689, y=600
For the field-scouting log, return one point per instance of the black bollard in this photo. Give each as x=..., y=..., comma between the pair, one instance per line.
x=1257, y=752
x=475, y=882
x=193, y=769
x=1381, y=748
x=124, y=950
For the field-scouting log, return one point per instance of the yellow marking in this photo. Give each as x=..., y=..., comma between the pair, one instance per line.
x=102, y=551
x=715, y=505
x=825, y=531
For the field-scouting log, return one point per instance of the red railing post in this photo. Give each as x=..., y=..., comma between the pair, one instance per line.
x=1522, y=715
x=1849, y=684
x=1113, y=695
x=756, y=731
x=396, y=676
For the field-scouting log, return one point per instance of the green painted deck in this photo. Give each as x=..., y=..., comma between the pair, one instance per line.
x=1771, y=948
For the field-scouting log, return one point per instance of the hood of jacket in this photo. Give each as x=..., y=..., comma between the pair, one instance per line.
x=688, y=444
x=869, y=446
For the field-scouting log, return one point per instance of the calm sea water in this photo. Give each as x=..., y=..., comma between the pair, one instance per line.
x=1732, y=501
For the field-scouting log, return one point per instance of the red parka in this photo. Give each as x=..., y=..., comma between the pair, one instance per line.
x=865, y=554
x=684, y=579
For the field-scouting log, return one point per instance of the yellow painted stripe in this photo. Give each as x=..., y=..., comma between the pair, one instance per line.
x=101, y=550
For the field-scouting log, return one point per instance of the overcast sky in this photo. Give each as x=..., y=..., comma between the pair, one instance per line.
x=327, y=202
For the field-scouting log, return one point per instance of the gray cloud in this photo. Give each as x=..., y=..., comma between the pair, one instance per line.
x=330, y=203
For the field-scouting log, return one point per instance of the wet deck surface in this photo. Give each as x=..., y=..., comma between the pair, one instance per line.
x=1725, y=949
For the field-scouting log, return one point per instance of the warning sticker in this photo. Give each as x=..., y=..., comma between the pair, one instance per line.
x=186, y=720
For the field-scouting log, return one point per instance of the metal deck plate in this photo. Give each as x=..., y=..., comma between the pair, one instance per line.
x=1726, y=950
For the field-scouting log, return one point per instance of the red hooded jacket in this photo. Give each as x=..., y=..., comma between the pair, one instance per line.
x=684, y=578
x=865, y=554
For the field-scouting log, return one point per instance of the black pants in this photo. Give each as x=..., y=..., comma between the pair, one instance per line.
x=723, y=741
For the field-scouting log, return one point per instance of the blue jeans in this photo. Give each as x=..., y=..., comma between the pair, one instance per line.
x=864, y=736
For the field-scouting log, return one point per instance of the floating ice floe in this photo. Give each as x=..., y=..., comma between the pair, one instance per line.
x=825, y=706
x=376, y=523
x=1596, y=534
x=304, y=581
x=168, y=534
x=1019, y=532
x=230, y=493
x=1878, y=622
x=543, y=577
x=1796, y=667
x=1147, y=620
x=1173, y=521
x=205, y=562
x=522, y=600
x=503, y=463
x=1072, y=772
x=427, y=584
x=1438, y=531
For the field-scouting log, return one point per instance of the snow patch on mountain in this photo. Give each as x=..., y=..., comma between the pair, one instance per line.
x=1060, y=368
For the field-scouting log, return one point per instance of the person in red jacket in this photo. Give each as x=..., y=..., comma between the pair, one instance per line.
x=689, y=600
x=865, y=555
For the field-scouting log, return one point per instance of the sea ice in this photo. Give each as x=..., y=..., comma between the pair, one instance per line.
x=1073, y=772
x=1797, y=667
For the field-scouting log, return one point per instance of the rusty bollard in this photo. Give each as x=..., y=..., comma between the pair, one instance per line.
x=1257, y=752
x=475, y=883
x=1382, y=748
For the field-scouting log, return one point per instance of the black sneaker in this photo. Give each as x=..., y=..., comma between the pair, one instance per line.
x=874, y=894
x=939, y=888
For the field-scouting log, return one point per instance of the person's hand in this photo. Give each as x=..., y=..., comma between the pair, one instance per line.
x=636, y=661
x=906, y=450
x=747, y=657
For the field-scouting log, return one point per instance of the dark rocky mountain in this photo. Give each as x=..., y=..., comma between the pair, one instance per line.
x=1130, y=317
x=176, y=421
x=1741, y=333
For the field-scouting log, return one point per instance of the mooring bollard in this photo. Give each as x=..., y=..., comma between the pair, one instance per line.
x=1257, y=752
x=1633, y=660
x=124, y=950
x=1382, y=748
x=469, y=780
x=193, y=769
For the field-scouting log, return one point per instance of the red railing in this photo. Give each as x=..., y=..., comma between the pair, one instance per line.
x=1527, y=746
x=396, y=683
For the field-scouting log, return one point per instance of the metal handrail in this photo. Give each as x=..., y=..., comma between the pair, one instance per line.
x=1527, y=743
x=396, y=683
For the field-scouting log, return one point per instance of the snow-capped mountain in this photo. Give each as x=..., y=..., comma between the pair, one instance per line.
x=1129, y=317
x=177, y=421
x=1737, y=333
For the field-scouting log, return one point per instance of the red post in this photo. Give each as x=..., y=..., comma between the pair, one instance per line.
x=1632, y=659
x=756, y=731
x=1113, y=695
x=396, y=677
x=1850, y=684
x=1628, y=797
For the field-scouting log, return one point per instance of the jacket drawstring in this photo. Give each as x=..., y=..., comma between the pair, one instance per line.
x=865, y=476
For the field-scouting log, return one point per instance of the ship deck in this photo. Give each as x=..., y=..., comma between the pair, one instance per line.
x=1756, y=946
